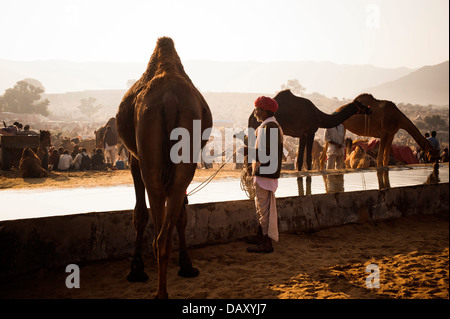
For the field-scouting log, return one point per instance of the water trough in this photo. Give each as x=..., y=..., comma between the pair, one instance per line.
x=45, y=231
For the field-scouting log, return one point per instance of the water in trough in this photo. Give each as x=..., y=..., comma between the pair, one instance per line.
x=20, y=204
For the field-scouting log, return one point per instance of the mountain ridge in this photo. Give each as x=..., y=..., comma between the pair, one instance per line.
x=327, y=78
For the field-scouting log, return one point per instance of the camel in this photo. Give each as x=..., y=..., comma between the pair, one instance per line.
x=89, y=144
x=42, y=151
x=164, y=98
x=316, y=150
x=67, y=144
x=101, y=132
x=299, y=117
x=30, y=165
x=358, y=159
x=386, y=120
x=356, y=156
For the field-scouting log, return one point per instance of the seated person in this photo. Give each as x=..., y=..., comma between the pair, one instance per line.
x=27, y=131
x=65, y=161
x=98, y=161
x=82, y=160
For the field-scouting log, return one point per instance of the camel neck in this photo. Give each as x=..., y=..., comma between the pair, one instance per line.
x=341, y=114
x=412, y=130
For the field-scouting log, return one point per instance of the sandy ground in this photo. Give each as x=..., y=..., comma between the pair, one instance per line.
x=11, y=179
x=412, y=256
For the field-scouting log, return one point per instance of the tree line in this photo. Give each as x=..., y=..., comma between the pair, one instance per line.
x=25, y=98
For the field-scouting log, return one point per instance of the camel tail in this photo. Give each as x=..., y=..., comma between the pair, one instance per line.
x=170, y=120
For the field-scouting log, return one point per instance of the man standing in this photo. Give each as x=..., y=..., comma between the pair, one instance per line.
x=266, y=167
x=434, y=141
x=335, y=152
x=109, y=143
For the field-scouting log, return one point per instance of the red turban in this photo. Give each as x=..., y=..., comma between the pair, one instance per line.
x=266, y=103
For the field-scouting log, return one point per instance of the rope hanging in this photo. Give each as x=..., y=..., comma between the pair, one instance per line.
x=247, y=183
x=210, y=178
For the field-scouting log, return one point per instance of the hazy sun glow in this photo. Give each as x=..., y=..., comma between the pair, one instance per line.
x=385, y=33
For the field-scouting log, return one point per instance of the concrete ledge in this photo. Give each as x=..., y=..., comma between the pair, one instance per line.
x=30, y=244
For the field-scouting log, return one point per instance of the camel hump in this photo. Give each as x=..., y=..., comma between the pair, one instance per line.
x=165, y=42
x=28, y=152
x=166, y=53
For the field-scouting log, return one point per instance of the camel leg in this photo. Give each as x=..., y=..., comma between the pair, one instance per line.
x=301, y=152
x=387, y=150
x=381, y=149
x=186, y=269
x=384, y=150
x=301, y=191
x=173, y=211
x=323, y=157
x=308, y=185
x=140, y=219
x=383, y=178
x=309, y=145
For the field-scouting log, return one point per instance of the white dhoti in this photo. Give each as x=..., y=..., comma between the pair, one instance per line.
x=110, y=153
x=266, y=208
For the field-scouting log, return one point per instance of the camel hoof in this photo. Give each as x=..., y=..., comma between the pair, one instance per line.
x=188, y=273
x=161, y=296
x=137, y=276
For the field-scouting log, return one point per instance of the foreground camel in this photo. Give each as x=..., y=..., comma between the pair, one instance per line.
x=30, y=165
x=299, y=117
x=164, y=98
x=386, y=120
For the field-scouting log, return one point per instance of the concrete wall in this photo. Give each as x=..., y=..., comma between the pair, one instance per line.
x=31, y=244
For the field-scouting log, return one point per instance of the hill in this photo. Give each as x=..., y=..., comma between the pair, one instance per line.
x=231, y=107
x=427, y=85
x=326, y=78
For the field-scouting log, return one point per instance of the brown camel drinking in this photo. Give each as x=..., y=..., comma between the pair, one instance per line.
x=386, y=120
x=163, y=99
x=299, y=117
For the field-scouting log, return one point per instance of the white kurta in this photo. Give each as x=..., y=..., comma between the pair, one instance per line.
x=265, y=201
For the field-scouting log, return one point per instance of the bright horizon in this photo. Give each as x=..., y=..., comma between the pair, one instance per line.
x=383, y=33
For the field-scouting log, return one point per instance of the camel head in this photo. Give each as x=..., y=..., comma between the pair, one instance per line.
x=44, y=138
x=28, y=152
x=348, y=144
x=361, y=108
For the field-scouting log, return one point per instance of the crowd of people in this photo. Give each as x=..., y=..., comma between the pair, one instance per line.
x=435, y=143
x=60, y=160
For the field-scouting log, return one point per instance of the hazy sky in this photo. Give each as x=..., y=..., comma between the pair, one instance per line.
x=385, y=33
